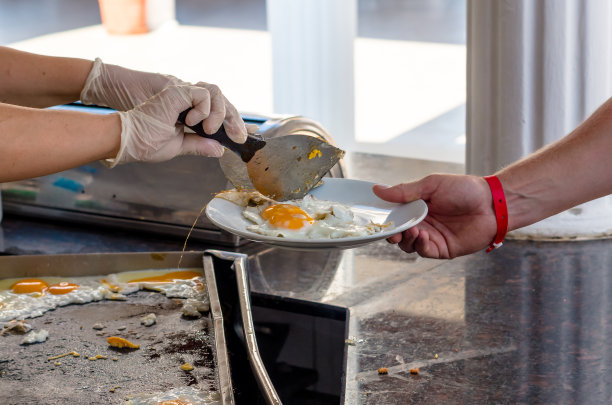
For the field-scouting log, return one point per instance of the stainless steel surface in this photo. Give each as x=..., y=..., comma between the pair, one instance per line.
x=225, y=378
x=289, y=166
x=263, y=380
x=283, y=167
x=165, y=198
x=236, y=170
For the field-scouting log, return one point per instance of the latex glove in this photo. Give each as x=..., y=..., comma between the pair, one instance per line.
x=123, y=89
x=120, y=88
x=150, y=133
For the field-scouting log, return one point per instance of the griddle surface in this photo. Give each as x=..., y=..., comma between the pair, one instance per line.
x=28, y=377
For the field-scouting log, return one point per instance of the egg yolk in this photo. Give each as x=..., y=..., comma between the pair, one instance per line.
x=34, y=285
x=62, y=288
x=286, y=216
x=168, y=277
x=29, y=285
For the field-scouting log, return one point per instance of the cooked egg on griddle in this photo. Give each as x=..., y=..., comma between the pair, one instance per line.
x=32, y=297
x=176, y=396
x=307, y=218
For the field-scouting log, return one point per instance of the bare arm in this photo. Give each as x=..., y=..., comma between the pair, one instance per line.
x=461, y=219
x=50, y=141
x=35, y=142
x=40, y=81
x=568, y=172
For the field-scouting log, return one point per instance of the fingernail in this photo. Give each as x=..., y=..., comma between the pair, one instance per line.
x=251, y=128
x=382, y=186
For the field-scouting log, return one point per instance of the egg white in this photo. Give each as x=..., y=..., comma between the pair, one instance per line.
x=189, y=395
x=332, y=220
x=30, y=305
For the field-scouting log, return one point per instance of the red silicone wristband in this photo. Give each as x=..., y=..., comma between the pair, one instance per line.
x=501, y=211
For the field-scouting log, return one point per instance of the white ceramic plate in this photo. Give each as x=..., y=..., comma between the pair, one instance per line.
x=355, y=193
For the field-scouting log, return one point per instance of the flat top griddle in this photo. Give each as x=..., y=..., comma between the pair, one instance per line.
x=29, y=377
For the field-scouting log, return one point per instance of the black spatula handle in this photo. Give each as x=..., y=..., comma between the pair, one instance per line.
x=245, y=150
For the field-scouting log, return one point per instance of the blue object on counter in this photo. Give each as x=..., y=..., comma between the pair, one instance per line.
x=69, y=184
x=78, y=106
x=87, y=169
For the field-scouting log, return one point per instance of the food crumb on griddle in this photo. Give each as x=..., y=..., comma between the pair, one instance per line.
x=98, y=326
x=18, y=327
x=121, y=343
x=148, y=320
x=192, y=308
x=414, y=371
x=186, y=367
x=383, y=370
x=73, y=354
x=97, y=357
x=114, y=388
x=35, y=337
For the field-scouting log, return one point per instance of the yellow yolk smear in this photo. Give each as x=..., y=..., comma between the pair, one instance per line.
x=175, y=402
x=121, y=343
x=168, y=277
x=286, y=216
x=29, y=285
x=112, y=287
x=314, y=153
x=62, y=288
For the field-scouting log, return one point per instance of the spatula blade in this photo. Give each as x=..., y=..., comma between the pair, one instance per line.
x=289, y=166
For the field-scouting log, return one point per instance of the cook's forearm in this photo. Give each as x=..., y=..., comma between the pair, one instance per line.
x=37, y=142
x=568, y=172
x=40, y=81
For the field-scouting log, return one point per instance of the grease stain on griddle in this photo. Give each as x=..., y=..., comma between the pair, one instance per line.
x=158, y=256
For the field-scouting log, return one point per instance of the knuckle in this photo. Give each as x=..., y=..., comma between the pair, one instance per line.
x=214, y=90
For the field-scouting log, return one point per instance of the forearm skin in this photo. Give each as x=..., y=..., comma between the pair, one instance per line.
x=36, y=142
x=568, y=172
x=32, y=80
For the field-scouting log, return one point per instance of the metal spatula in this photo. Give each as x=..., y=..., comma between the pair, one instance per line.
x=283, y=167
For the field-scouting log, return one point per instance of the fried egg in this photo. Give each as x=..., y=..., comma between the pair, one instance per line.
x=308, y=218
x=32, y=297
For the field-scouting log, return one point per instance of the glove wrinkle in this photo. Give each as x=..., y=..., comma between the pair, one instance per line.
x=149, y=105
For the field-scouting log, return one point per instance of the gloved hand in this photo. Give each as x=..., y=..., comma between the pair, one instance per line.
x=150, y=133
x=123, y=89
